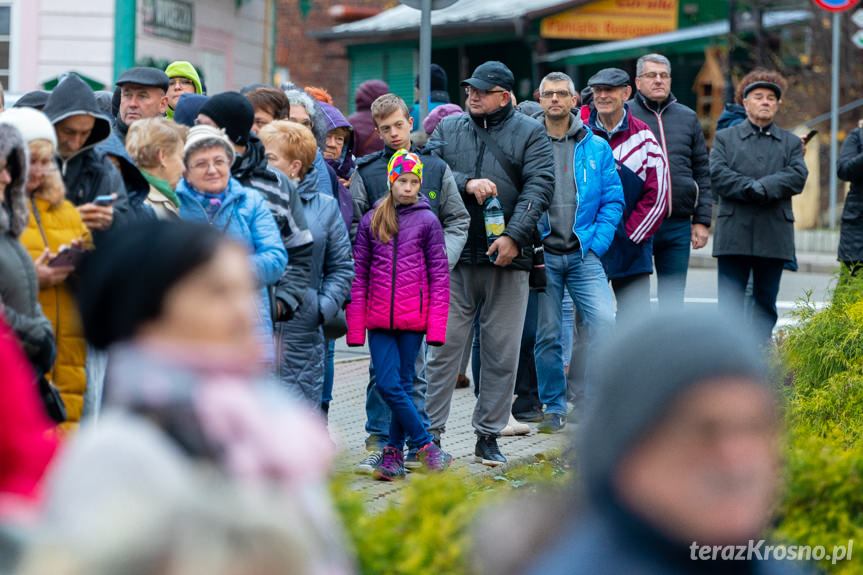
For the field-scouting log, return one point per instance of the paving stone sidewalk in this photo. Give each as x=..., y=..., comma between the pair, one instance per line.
x=347, y=421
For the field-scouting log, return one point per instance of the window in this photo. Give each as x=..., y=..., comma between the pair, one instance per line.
x=5, y=22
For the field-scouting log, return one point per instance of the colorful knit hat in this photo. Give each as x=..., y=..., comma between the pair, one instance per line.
x=403, y=162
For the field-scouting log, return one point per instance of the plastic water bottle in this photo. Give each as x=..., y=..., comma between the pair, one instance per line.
x=494, y=222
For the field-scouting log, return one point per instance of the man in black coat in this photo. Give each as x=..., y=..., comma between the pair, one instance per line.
x=500, y=287
x=755, y=169
x=679, y=133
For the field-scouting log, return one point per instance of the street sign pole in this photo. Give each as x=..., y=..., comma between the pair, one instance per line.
x=425, y=60
x=834, y=120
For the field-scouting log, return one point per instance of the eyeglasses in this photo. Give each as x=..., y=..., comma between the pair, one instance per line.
x=469, y=90
x=654, y=75
x=204, y=165
x=181, y=82
x=305, y=122
x=549, y=94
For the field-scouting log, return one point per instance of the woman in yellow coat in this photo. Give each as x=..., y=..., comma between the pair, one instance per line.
x=54, y=223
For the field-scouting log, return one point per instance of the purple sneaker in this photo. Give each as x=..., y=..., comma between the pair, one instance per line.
x=391, y=467
x=434, y=458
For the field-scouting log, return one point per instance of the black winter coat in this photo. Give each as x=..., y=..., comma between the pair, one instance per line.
x=754, y=173
x=679, y=132
x=850, y=168
x=525, y=141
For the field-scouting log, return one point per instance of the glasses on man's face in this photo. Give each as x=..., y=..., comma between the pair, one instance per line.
x=470, y=90
x=205, y=165
x=655, y=75
x=180, y=82
x=549, y=94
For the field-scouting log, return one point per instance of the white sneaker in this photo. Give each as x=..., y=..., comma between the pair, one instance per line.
x=514, y=427
x=368, y=464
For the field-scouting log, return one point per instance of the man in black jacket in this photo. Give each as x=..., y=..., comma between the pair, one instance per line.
x=235, y=114
x=86, y=171
x=755, y=169
x=500, y=287
x=679, y=132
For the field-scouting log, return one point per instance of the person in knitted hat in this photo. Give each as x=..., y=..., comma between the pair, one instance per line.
x=187, y=109
x=398, y=299
x=232, y=112
x=682, y=452
x=208, y=194
x=183, y=79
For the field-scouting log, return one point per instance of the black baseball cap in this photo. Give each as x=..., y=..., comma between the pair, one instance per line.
x=490, y=74
x=768, y=85
x=144, y=76
x=614, y=77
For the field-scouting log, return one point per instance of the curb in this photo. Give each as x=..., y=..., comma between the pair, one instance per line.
x=806, y=264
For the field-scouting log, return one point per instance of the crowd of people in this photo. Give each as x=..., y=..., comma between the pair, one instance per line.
x=175, y=268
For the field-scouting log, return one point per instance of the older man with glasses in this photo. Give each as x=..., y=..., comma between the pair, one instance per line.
x=493, y=152
x=679, y=133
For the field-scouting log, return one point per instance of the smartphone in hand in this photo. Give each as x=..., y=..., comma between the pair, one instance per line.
x=70, y=257
x=809, y=136
x=105, y=200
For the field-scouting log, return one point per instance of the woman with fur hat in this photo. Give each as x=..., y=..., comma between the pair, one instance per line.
x=54, y=225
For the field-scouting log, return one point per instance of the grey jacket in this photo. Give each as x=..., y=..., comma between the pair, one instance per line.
x=525, y=142
x=754, y=173
x=19, y=288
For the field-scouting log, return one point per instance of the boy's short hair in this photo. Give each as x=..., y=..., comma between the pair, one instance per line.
x=386, y=105
x=292, y=140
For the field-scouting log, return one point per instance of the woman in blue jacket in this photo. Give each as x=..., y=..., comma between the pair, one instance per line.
x=208, y=193
x=301, y=349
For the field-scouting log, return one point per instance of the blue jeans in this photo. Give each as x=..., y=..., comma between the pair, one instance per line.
x=586, y=282
x=329, y=373
x=394, y=355
x=378, y=413
x=766, y=277
x=671, y=246
x=568, y=327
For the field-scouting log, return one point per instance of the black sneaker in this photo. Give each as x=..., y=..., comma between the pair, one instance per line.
x=487, y=452
x=552, y=423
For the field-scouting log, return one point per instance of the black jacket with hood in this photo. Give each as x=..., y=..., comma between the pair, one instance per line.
x=87, y=173
x=253, y=171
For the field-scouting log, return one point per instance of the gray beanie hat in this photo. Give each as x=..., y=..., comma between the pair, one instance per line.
x=642, y=370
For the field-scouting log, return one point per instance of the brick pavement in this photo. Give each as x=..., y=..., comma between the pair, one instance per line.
x=347, y=420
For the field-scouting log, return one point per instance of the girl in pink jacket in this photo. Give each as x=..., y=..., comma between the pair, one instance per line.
x=400, y=292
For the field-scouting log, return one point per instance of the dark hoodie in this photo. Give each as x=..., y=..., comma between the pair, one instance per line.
x=344, y=166
x=253, y=171
x=88, y=173
x=366, y=140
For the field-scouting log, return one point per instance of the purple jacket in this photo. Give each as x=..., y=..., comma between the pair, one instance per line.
x=343, y=166
x=404, y=283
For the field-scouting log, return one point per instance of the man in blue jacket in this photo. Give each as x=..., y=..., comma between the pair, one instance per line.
x=576, y=231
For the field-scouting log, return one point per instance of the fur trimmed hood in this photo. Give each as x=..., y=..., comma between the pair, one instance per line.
x=16, y=211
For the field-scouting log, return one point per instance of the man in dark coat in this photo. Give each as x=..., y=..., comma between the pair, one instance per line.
x=692, y=460
x=86, y=171
x=850, y=168
x=500, y=287
x=755, y=169
x=679, y=133
x=143, y=94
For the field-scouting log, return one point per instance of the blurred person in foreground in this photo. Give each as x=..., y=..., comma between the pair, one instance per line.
x=185, y=397
x=692, y=461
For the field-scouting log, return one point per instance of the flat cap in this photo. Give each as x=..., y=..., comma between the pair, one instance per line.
x=768, y=85
x=144, y=76
x=490, y=74
x=614, y=77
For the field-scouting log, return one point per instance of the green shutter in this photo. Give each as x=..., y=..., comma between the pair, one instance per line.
x=394, y=64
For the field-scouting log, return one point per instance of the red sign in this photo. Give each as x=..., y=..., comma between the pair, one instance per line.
x=836, y=5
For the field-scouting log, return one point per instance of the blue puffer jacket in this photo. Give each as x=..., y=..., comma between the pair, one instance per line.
x=600, y=196
x=301, y=350
x=244, y=215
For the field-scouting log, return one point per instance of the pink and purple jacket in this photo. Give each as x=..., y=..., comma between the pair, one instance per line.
x=402, y=284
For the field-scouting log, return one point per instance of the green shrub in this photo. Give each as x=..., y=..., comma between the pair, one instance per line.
x=425, y=529
x=823, y=353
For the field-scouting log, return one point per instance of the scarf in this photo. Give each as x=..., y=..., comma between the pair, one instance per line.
x=163, y=186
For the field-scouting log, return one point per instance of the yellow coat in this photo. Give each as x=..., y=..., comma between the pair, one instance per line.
x=61, y=224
